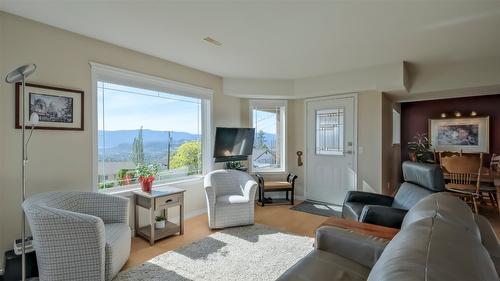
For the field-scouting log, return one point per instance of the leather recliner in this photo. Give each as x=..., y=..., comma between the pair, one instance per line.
x=421, y=180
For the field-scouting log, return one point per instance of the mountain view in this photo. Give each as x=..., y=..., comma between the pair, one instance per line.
x=118, y=144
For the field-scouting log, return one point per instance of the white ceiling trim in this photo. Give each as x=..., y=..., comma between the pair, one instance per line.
x=402, y=81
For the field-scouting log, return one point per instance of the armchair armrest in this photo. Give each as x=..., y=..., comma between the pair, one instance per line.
x=357, y=247
x=249, y=190
x=369, y=198
x=110, y=208
x=382, y=215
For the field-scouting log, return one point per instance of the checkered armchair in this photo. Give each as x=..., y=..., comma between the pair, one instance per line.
x=230, y=198
x=79, y=235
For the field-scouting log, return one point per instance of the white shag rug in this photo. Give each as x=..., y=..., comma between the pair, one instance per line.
x=242, y=253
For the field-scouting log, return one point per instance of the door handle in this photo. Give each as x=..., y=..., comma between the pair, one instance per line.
x=348, y=152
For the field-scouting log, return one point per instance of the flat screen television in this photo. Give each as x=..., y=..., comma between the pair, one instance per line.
x=233, y=144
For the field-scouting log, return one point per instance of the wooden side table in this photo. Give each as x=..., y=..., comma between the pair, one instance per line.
x=383, y=232
x=159, y=200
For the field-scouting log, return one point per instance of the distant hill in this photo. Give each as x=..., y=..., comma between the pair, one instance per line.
x=123, y=139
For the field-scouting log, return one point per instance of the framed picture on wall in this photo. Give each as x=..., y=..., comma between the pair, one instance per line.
x=466, y=134
x=57, y=108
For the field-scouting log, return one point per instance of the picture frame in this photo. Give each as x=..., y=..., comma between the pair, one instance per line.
x=465, y=134
x=58, y=108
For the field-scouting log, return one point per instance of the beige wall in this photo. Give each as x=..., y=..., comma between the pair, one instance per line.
x=370, y=141
x=62, y=160
x=387, y=147
x=296, y=140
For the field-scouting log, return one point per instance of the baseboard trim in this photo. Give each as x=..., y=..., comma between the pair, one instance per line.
x=187, y=215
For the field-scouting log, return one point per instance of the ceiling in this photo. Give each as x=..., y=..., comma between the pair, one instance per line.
x=282, y=39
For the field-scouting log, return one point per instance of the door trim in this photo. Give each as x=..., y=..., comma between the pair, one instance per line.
x=355, y=141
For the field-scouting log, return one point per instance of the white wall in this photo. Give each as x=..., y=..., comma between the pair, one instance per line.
x=61, y=160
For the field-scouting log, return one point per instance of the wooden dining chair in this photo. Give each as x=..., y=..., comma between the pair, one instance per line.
x=441, y=154
x=464, y=176
x=495, y=162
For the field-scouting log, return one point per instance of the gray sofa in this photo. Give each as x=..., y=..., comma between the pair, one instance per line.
x=421, y=180
x=79, y=235
x=440, y=239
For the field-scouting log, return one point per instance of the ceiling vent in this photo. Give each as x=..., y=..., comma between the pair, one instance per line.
x=212, y=41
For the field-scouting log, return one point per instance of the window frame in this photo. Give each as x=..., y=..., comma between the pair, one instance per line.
x=110, y=74
x=259, y=103
x=396, y=127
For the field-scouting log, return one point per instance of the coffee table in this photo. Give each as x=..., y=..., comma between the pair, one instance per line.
x=378, y=231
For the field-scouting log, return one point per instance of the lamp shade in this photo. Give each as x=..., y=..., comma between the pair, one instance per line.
x=17, y=74
x=34, y=119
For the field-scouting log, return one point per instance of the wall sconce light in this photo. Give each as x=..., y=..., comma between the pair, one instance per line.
x=443, y=115
x=473, y=113
x=457, y=114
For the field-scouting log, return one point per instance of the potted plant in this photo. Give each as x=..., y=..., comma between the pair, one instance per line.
x=160, y=222
x=146, y=175
x=420, y=149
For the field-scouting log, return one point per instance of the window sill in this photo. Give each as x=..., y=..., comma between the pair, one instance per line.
x=268, y=172
x=128, y=191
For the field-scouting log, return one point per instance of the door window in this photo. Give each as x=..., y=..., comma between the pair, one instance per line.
x=330, y=131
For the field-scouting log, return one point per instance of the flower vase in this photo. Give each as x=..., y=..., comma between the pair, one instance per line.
x=146, y=185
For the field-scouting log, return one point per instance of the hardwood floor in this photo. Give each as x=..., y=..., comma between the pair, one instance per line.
x=279, y=217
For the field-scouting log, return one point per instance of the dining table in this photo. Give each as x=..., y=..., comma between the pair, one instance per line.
x=488, y=176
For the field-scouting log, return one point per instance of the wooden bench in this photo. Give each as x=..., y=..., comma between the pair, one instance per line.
x=287, y=186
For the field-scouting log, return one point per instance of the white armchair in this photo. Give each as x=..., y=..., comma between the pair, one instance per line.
x=230, y=198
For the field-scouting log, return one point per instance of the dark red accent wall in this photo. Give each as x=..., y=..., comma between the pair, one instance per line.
x=415, y=115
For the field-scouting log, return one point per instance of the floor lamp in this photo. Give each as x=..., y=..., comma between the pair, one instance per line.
x=16, y=75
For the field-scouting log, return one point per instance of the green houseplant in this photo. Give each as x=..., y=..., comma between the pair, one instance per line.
x=420, y=149
x=146, y=175
x=160, y=222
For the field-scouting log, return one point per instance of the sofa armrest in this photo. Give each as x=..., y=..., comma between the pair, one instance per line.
x=382, y=215
x=363, y=249
x=489, y=239
x=368, y=198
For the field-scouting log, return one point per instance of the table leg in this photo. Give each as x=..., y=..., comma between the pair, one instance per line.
x=136, y=217
x=152, y=225
x=181, y=215
x=498, y=198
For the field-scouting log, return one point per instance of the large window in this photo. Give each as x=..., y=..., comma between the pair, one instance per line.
x=269, y=120
x=145, y=125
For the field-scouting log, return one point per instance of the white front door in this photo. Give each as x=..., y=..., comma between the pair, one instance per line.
x=330, y=148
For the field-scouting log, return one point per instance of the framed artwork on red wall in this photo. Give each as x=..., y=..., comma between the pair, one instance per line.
x=466, y=134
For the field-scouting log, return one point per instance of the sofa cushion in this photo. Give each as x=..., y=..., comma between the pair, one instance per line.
x=117, y=247
x=321, y=265
x=439, y=241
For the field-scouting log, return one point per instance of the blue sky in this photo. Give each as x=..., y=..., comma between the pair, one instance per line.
x=128, y=108
x=265, y=121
